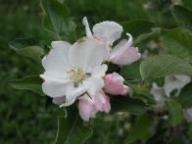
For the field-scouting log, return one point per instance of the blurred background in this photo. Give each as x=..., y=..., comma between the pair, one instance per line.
x=26, y=117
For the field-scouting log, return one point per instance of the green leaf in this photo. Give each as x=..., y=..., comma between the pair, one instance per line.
x=21, y=46
x=142, y=129
x=57, y=18
x=175, y=112
x=178, y=42
x=134, y=106
x=162, y=65
x=32, y=83
x=185, y=97
x=137, y=27
x=71, y=130
x=131, y=72
x=183, y=16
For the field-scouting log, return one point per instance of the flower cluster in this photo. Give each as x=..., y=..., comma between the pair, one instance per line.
x=77, y=72
x=172, y=83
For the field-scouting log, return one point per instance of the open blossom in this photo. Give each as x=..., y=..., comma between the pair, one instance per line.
x=108, y=32
x=114, y=84
x=77, y=71
x=72, y=70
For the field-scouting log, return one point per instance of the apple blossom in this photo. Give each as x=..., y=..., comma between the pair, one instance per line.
x=72, y=70
x=123, y=53
x=175, y=82
x=114, y=84
x=108, y=32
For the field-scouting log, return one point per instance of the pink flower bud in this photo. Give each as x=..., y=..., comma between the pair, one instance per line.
x=124, y=53
x=102, y=102
x=87, y=108
x=114, y=84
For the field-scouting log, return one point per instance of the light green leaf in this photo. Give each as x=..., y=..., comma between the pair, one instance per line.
x=178, y=42
x=26, y=47
x=31, y=83
x=175, y=112
x=71, y=130
x=162, y=65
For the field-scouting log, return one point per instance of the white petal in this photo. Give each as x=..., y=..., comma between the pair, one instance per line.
x=56, y=62
x=54, y=88
x=88, y=53
x=158, y=94
x=176, y=82
x=94, y=85
x=99, y=71
x=87, y=28
x=107, y=31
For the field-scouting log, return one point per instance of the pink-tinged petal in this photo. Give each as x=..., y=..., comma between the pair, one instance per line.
x=124, y=54
x=114, y=84
x=87, y=108
x=107, y=31
x=102, y=102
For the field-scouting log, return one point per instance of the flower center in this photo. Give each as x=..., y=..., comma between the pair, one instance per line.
x=77, y=75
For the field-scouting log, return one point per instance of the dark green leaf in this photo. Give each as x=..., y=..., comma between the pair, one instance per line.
x=134, y=106
x=142, y=129
x=137, y=27
x=162, y=65
x=178, y=42
x=175, y=112
x=71, y=130
x=57, y=18
x=183, y=16
x=32, y=83
x=185, y=97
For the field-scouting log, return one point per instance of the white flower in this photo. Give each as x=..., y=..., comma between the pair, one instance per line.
x=188, y=114
x=175, y=82
x=72, y=70
x=159, y=95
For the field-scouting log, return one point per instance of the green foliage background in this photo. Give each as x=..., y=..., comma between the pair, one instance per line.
x=27, y=117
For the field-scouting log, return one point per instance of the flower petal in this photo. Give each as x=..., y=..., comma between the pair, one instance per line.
x=88, y=53
x=87, y=108
x=56, y=62
x=114, y=84
x=124, y=54
x=102, y=102
x=107, y=31
x=176, y=82
x=54, y=88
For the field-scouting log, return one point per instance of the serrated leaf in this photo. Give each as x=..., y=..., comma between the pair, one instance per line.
x=175, y=112
x=121, y=104
x=31, y=83
x=162, y=65
x=71, y=130
x=178, y=42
